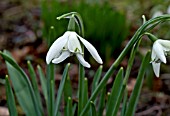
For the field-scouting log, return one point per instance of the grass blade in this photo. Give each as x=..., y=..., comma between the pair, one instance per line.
x=61, y=87
x=135, y=94
x=10, y=98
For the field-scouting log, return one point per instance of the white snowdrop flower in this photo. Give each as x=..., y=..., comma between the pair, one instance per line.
x=159, y=52
x=69, y=44
x=157, y=13
x=168, y=9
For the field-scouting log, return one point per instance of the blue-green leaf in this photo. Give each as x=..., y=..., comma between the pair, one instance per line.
x=137, y=89
x=34, y=83
x=111, y=104
x=61, y=88
x=69, y=107
x=43, y=81
x=97, y=77
x=10, y=99
x=92, y=109
x=22, y=87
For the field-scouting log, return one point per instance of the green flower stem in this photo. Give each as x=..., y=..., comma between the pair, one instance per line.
x=80, y=88
x=50, y=89
x=50, y=77
x=71, y=25
x=77, y=18
x=133, y=40
x=151, y=37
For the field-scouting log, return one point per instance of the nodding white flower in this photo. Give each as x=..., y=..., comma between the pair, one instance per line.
x=69, y=44
x=159, y=52
x=168, y=9
x=157, y=13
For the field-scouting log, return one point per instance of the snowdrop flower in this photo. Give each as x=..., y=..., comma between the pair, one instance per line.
x=168, y=9
x=159, y=52
x=69, y=44
x=156, y=14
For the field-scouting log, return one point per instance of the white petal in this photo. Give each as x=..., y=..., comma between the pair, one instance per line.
x=73, y=43
x=156, y=68
x=165, y=44
x=91, y=49
x=62, y=57
x=153, y=56
x=156, y=14
x=168, y=9
x=56, y=47
x=82, y=61
x=158, y=49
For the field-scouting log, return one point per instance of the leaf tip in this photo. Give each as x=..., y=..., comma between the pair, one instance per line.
x=108, y=93
x=121, y=68
x=6, y=76
x=85, y=79
x=68, y=64
x=91, y=102
x=101, y=66
x=69, y=98
x=28, y=62
x=38, y=66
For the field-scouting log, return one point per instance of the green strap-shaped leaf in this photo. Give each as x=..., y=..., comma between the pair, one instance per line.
x=10, y=99
x=137, y=89
x=124, y=106
x=50, y=89
x=92, y=109
x=80, y=88
x=97, y=77
x=61, y=88
x=22, y=87
x=34, y=83
x=85, y=96
x=114, y=93
x=69, y=107
x=43, y=82
x=102, y=102
x=67, y=89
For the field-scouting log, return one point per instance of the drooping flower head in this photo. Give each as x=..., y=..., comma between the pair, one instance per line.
x=159, y=53
x=69, y=44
